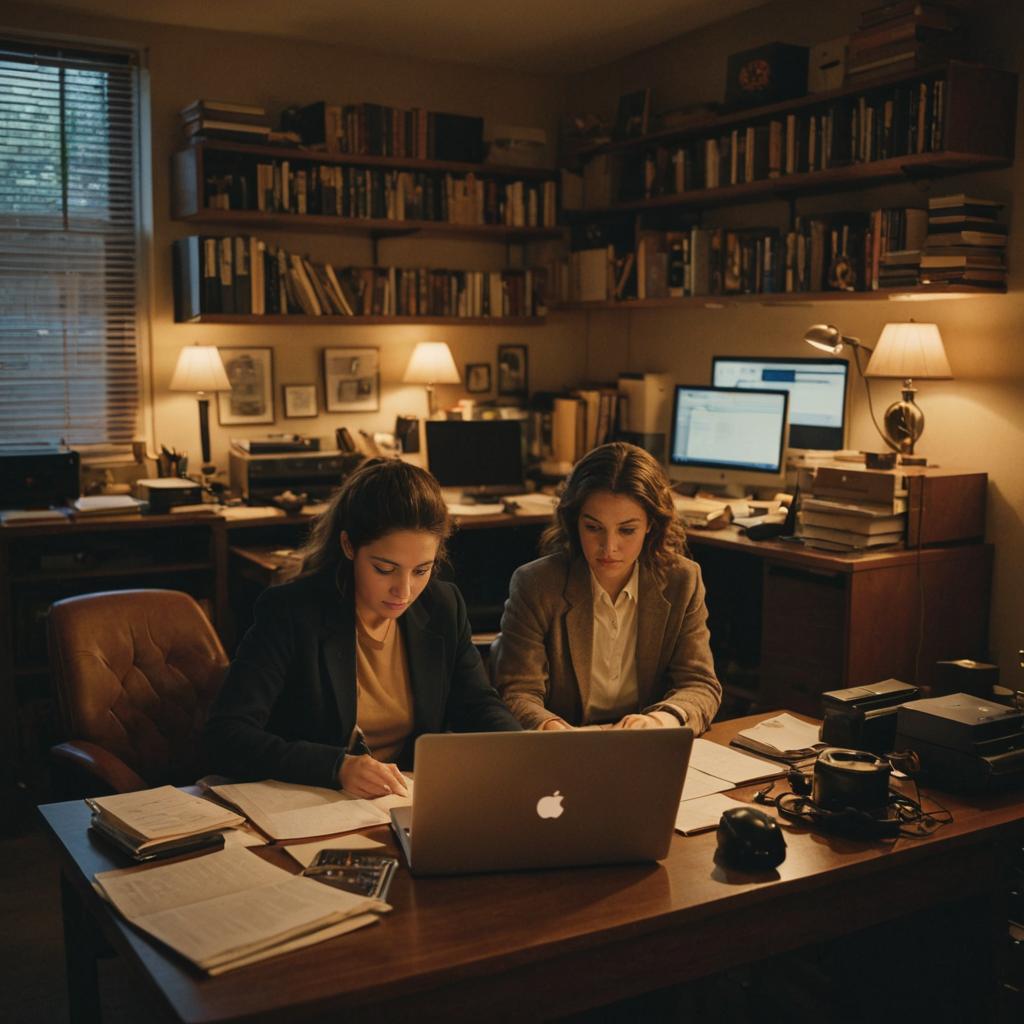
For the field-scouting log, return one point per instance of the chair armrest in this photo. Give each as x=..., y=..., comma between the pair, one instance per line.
x=99, y=763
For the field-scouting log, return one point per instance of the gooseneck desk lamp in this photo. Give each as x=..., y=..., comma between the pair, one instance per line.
x=201, y=369
x=431, y=363
x=904, y=351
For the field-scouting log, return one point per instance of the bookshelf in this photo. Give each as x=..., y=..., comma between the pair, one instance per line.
x=226, y=185
x=917, y=126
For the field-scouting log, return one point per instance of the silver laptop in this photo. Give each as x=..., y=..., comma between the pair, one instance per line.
x=503, y=801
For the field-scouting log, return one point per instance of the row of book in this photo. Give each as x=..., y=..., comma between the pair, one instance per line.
x=966, y=243
x=885, y=123
x=843, y=251
x=243, y=275
x=828, y=519
x=566, y=425
x=300, y=186
x=905, y=34
x=373, y=129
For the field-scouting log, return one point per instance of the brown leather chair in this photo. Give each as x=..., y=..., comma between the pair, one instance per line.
x=135, y=673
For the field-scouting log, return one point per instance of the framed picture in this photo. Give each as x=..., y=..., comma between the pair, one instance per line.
x=300, y=401
x=478, y=378
x=251, y=398
x=633, y=114
x=352, y=379
x=512, y=370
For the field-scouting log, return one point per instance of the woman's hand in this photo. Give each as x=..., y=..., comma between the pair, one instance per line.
x=638, y=722
x=363, y=776
x=554, y=723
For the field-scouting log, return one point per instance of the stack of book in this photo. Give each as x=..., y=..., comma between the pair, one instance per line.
x=966, y=244
x=901, y=35
x=233, y=122
x=830, y=519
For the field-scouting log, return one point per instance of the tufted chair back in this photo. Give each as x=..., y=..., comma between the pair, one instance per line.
x=135, y=673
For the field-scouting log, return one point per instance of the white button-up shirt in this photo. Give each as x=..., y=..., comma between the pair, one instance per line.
x=613, y=679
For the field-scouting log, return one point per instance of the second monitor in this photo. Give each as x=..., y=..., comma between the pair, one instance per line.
x=482, y=457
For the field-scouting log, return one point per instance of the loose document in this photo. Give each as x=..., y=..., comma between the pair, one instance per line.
x=227, y=909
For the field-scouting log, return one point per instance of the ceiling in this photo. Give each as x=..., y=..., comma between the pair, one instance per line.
x=539, y=36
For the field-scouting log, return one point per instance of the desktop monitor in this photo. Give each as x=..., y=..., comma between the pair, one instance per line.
x=817, y=393
x=731, y=438
x=482, y=457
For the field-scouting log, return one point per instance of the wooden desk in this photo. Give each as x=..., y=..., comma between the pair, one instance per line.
x=544, y=943
x=802, y=621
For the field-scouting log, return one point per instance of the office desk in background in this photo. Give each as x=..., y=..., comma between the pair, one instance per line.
x=540, y=944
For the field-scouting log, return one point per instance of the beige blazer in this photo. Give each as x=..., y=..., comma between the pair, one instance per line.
x=541, y=661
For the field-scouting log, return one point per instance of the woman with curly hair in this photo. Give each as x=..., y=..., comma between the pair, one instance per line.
x=610, y=626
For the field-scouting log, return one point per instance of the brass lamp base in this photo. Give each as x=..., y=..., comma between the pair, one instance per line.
x=904, y=424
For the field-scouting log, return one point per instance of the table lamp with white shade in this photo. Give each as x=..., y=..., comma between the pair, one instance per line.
x=431, y=363
x=201, y=369
x=905, y=351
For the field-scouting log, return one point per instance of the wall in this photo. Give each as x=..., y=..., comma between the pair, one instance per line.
x=186, y=64
x=975, y=420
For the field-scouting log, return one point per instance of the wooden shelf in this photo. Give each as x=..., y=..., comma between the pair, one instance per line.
x=379, y=228
x=293, y=153
x=302, y=319
x=921, y=292
x=790, y=186
x=109, y=572
x=957, y=71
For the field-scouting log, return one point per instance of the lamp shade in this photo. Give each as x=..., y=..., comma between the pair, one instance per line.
x=200, y=368
x=824, y=337
x=431, y=363
x=909, y=350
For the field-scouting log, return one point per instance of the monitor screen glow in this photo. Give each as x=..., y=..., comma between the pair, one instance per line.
x=817, y=393
x=728, y=436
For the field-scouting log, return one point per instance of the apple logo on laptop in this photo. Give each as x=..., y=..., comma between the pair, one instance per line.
x=550, y=806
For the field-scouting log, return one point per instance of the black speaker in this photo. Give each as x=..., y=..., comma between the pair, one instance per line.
x=38, y=479
x=977, y=678
x=407, y=434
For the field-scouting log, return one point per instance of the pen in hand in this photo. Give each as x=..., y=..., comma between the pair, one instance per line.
x=357, y=743
x=367, y=778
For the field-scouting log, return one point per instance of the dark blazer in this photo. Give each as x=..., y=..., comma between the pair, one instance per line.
x=288, y=704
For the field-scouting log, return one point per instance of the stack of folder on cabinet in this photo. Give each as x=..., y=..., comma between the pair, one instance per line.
x=232, y=908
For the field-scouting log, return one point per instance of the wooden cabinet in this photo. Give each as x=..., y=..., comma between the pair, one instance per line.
x=788, y=624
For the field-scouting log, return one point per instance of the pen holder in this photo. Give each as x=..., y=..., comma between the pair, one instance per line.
x=171, y=465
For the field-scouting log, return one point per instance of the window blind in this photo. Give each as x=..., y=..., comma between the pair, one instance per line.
x=69, y=366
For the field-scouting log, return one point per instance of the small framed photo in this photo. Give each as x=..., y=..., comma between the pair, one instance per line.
x=300, y=401
x=351, y=379
x=478, y=378
x=513, y=377
x=251, y=398
x=633, y=116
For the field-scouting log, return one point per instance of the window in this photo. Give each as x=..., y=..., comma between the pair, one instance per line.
x=69, y=246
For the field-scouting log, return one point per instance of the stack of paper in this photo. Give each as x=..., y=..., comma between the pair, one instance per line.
x=157, y=819
x=232, y=908
x=704, y=813
x=286, y=810
x=783, y=737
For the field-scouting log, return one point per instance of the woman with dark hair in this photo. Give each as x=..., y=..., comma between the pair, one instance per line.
x=347, y=664
x=610, y=627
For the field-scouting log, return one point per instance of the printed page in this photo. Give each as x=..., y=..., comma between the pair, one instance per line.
x=699, y=784
x=703, y=814
x=783, y=734
x=285, y=810
x=223, y=906
x=731, y=765
x=163, y=813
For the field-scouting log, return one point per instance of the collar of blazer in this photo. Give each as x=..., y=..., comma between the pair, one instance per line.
x=652, y=617
x=424, y=651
